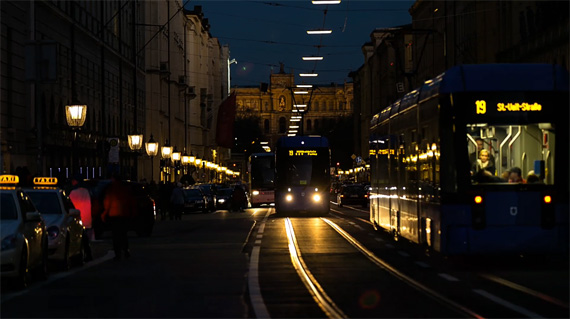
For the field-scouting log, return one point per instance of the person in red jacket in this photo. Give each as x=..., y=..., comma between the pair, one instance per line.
x=119, y=208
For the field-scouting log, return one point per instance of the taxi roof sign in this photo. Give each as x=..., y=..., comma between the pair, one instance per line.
x=45, y=181
x=9, y=179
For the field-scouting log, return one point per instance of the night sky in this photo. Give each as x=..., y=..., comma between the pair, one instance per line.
x=261, y=34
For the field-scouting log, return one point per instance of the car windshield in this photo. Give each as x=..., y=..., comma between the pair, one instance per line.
x=206, y=189
x=225, y=191
x=190, y=193
x=353, y=190
x=8, y=207
x=46, y=203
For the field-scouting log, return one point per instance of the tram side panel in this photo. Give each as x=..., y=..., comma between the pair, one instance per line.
x=429, y=171
x=405, y=126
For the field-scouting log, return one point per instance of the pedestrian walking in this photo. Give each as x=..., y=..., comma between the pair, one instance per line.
x=81, y=200
x=177, y=202
x=119, y=208
x=238, y=199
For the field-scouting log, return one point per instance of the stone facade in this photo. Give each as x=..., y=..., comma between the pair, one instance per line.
x=272, y=104
x=141, y=67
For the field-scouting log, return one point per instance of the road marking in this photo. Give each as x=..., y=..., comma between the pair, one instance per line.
x=379, y=239
x=253, y=282
x=403, y=253
x=359, y=227
x=259, y=236
x=526, y=290
x=447, y=277
x=261, y=228
x=504, y=303
x=253, y=277
x=390, y=246
x=422, y=264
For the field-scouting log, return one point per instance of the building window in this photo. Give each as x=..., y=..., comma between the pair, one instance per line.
x=266, y=125
x=309, y=127
x=282, y=125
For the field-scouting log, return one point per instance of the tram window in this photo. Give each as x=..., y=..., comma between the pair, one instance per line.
x=498, y=148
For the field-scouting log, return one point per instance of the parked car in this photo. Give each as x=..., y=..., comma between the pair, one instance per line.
x=194, y=200
x=63, y=222
x=143, y=222
x=210, y=191
x=223, y=198
x=24, y=235
x=352, y=194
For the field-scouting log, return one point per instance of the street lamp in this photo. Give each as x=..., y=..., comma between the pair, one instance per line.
x=175, y=161
x=166, y=154
x=151, y=150
x=75, y=115
x=135, y=144
x=135, y=141
x=166, y=150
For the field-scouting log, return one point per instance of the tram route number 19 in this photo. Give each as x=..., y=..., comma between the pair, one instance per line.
x=481, y=106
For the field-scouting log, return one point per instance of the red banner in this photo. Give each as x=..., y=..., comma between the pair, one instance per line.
x=226, y=118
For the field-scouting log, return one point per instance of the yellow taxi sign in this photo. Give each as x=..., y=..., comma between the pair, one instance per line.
x=9, y=179
x=45, y=181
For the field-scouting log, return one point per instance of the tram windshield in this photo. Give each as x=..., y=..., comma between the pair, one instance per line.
x=304, y=168
x=511, y=153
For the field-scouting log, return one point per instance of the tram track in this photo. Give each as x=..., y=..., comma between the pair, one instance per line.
x=476, y=287
x=325, y=302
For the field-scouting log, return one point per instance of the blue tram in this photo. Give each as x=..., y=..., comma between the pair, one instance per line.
x=476, y=161
x=302, y=175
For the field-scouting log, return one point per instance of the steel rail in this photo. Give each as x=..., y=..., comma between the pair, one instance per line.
x=319, y=295
x=415, y=284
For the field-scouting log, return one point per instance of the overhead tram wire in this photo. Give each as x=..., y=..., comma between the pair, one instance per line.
x=275, y=4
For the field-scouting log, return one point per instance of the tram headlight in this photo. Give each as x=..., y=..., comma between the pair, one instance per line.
x=547, y=199
x=255, y=193
x=478, y=199
x=289, y=197
x=317, y=198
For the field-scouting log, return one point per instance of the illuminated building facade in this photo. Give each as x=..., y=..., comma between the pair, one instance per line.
x=272, y=105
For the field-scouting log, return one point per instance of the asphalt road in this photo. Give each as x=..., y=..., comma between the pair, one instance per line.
x=255, y=264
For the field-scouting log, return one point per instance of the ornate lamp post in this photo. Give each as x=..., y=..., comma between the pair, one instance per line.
x=166, y=153
x=151, y=150
x=75, y=115
x=176, y=157
x=135, y=143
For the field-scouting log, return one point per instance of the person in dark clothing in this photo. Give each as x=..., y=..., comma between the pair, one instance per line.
x=177, y=202
x=238, y=199
x=164, y=192
x=119, y=208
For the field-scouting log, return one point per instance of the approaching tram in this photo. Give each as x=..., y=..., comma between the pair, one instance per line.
x=476, y=161
x=302, y=175
x=261, y=168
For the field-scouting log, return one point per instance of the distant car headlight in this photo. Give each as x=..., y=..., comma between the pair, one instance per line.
x=9, y=242
x=53, y=232
x=317, y=198
x=255, y=193
x=221, y=201
x=289, y=197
